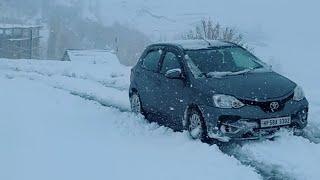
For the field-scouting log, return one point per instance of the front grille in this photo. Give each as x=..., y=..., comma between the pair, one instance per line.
x=265, y=106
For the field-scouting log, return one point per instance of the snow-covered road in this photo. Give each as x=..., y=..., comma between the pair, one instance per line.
x=71, y=120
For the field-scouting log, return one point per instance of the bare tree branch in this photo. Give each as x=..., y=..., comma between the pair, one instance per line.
x=214, y=31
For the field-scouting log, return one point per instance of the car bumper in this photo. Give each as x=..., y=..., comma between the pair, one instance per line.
x=245, y=123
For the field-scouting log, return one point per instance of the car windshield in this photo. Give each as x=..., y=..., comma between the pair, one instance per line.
x=221, y=62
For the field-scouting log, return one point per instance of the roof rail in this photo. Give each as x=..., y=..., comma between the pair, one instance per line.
x=233, y=43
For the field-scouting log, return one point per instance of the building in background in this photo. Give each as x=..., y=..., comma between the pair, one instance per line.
x=19, y=41
x=94, y=56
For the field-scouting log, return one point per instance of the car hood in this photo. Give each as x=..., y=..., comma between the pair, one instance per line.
x=252, y=86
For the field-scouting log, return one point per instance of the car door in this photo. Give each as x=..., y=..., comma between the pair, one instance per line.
x=172, y=100
x=149, y=83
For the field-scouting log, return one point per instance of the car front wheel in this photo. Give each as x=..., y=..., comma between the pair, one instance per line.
x=135, y=104
x=196, y=125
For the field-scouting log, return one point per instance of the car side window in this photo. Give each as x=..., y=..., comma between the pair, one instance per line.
x=151, y=60
x=170, y=61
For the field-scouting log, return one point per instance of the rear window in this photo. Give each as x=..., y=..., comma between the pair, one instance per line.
x=151, y=60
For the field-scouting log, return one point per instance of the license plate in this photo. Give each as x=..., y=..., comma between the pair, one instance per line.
x=275, y=122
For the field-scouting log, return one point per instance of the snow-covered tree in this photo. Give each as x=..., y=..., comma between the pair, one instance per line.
x=208, y=29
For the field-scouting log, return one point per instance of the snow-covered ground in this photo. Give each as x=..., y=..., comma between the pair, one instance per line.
x=71, y=120
x=53, y=126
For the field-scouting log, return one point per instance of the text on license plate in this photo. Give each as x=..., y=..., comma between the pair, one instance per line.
x=275, y=122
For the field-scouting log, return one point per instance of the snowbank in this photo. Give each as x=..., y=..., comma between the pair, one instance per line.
x=46, y=133
x=110, y=73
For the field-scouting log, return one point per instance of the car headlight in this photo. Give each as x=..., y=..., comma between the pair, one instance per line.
x=225, y=101
x=298, y=94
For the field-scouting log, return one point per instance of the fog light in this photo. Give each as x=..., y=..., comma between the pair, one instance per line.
x=241, y=126
x=228, y=129
x=303, y=116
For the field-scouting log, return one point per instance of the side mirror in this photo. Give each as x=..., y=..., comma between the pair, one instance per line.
x=174, y=74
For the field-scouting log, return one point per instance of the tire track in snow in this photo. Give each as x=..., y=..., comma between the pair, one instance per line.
x=311, y=132
x=101, y=94
x=131, y=131
x=87, y=96
x=267, y=171
x=105, y=83
x=262, y=169
x=96, y=99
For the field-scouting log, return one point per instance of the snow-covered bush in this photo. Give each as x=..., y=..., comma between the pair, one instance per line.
x=208, y=29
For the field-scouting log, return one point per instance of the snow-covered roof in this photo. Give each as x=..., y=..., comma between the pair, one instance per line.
x=94, y=56
x=198, y=44
x=9, y=26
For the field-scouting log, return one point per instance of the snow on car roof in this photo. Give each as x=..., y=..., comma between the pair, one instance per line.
x=198, y=44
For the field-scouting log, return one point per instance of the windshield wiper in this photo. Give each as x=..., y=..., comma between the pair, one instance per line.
x=204, y=75
x=217, y=74
x=245, y=71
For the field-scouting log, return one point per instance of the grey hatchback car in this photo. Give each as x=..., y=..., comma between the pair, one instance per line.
x=214, y=90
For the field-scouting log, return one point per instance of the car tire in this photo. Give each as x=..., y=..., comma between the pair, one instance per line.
x=135, y=104
x=196, y=125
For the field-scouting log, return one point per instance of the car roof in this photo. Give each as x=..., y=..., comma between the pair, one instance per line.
x=196, y=44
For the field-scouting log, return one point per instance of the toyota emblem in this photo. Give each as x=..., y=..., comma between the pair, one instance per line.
x=274, y=106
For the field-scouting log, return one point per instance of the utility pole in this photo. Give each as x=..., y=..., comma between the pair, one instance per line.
x=31, y=43
x=116, y=45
